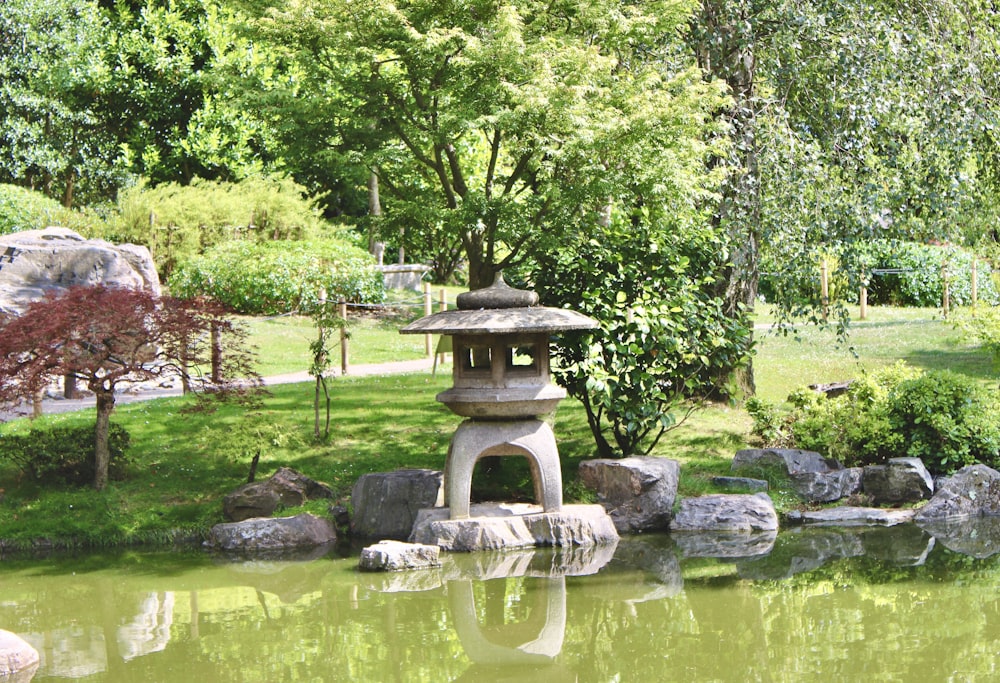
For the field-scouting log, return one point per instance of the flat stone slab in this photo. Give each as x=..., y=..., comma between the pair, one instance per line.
x=500, y=526
x=394, y=556
x=852, y=516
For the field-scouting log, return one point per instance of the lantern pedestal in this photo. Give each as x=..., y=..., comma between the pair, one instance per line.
x=503, y=526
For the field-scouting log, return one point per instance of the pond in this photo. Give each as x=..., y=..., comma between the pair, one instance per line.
x=886, y=604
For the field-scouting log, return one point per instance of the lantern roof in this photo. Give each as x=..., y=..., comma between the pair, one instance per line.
x=500, y=309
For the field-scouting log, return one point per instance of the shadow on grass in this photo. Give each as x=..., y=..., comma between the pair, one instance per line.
x=974, y=363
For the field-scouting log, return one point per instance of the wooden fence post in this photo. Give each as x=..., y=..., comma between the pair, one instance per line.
x=975, y=284
x=343, y=337
x=824, y=288
x=863, y=298
x=428, y=306
x=945, y=297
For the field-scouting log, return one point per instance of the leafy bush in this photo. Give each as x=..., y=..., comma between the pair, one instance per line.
x=178, y=222
x=943, y=418
x=984, y=329
x=663, y=338
x=22, y=209
x=896, y=273
x=64, y=455
x=949, y=420
x=267, y=278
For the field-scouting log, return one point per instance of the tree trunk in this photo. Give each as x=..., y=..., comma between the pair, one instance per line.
x=102, y=452
x=374, y=208
x=724, y=41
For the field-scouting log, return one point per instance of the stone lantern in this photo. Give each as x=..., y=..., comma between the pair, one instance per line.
x=501, y=384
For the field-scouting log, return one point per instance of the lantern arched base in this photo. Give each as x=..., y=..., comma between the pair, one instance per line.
x=532, y=439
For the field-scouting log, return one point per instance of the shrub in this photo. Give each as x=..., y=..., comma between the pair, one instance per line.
x=945, y=419
x=64, y=455
x=22, y=209
x=948, y=420
x=178, y=222
x=897, y=273
x=268, y=278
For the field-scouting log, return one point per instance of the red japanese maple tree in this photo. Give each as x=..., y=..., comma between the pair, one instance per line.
x=106, y=337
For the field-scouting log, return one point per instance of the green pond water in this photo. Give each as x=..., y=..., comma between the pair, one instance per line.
x=819, y=604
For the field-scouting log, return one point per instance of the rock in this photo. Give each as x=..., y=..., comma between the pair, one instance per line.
x=34, y=262
x=386, y=503
x=726, y=512
x=501, y=526
x=973, y=491
x=789, y=460
x=260, y=498
x=638, y=493
x=901, y=480
x=394, y=556
x=272, y=534
x=18, y=659
x=741, y=484
x=851, y=516
x=815, y=479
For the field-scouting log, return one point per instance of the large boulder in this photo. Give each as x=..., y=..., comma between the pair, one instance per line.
x=18, y=659
x=638, y=493
x=973, y=491
x=272, y=534
x=34, y=262
x=814, y=478
x=726, y=512
x=261, y=498
x=386, y=503
x=901, y=480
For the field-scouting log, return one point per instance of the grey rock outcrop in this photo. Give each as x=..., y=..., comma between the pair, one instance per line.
x=638, y=492
x=18, y=659
x=261, y=498
x=271, y=534
x=726, y=512
x=814, y=478
x=901, y=480
x=394, y=556
x=741, y=484
x=973, y=491
x=34, y=262
x=386, y=503
x=501, y=526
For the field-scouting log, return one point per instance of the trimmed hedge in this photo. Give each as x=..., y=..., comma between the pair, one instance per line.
x=269, y=278
x=22, y=209
x=915, y=278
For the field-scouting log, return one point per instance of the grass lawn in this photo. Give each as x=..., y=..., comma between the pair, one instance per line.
x=186, y=462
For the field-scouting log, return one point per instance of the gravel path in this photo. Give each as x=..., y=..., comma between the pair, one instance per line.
x=62, y=405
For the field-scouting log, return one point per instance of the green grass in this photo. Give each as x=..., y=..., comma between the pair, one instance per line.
x=185, y=462
x=786, y=362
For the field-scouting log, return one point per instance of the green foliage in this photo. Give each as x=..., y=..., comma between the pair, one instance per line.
x=64, y=455
x=179, y=222
x=945, y=419
x=949, y=420
x=983, y=327
x=22, y=209
x=663, y=336
x=279, y=276
x=896, y=273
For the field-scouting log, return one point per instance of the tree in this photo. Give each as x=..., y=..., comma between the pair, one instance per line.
x=492, y=124
x=113, y=337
